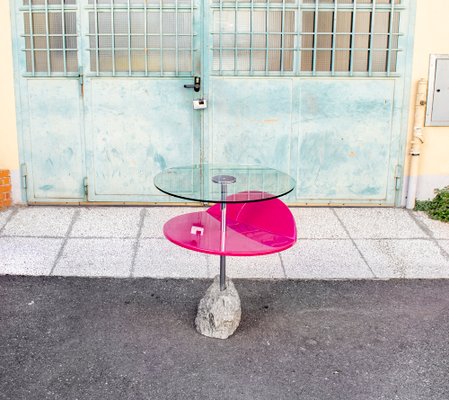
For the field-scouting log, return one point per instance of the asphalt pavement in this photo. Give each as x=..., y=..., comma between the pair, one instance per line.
x=104, y=338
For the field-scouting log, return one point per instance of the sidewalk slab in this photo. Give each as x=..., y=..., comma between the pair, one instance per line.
x=159, y=258
x=4, y=215
x=318, y=223
x=112, y=222
x=96, y=257
x=379, y=223
x=40, y=222
x=128, y=241
x=418, y=259
x=325, y=259
x=28, y=256
x=439, y=230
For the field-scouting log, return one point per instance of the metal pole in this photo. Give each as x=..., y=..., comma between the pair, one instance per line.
x=222, y=273
x=223, y=180
x=223, y=238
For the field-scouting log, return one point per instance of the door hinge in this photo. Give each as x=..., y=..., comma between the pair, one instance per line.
x=86, y=188
x=24, y=173
x=81, y=80
x=397, y=177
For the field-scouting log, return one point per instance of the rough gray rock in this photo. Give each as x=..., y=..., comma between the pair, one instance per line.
x=219, y=312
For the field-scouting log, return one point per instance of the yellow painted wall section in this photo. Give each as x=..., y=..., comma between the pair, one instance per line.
x=9, y=156
x=431, y=37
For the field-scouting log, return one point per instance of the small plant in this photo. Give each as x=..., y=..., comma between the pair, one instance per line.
x=438, y=208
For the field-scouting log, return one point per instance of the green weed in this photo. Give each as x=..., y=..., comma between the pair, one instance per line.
x=438, y=208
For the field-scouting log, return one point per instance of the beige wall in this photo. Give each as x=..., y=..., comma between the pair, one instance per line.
x=431, y=37
x=9, y=158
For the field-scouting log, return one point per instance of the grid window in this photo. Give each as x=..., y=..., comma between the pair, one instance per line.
x=51, y=39
x=302, y=37
x=48, y=2
x=253, y=40
x=134, y=37
x=349, y=41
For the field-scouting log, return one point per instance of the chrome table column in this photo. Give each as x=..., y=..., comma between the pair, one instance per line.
x=223, y=180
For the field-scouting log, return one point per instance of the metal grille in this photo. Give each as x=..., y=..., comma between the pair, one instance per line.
x=305, y=37
x=51, y=39
x=138, y=37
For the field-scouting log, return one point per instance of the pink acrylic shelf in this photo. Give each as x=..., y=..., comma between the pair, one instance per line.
x=254, y=228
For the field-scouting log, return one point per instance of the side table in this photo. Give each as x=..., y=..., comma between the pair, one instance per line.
x=248, y=219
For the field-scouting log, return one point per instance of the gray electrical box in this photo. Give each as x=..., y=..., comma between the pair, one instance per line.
x=438, y=92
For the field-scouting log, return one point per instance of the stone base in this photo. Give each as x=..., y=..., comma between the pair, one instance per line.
x=219, y=312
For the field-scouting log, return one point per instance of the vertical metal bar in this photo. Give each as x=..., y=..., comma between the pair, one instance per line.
x=47, y=41
x=251, y=36
x=220, y=38
x=353, y=37
x=235, y=36
x=223, y=217
x=112, y=38
x=222, y=272
x=97, y=40
x=282, y=36
x=298, y=51
x=315, y=38
x=267, y=29
x=390, y=38
x=161, y=53
x=371, y=36
x=129, y=40
x=30, y=19
x=64, y=58
x=176, y=39
x=334, y=37
x=223, y=238
x=192, y=33
x=145, y=39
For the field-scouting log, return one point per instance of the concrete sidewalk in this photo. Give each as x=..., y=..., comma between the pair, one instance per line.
x=333, y=243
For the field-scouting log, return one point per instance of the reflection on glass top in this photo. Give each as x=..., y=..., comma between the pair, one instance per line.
x=205, y=182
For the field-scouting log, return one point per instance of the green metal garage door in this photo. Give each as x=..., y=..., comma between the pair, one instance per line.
x=313, y=88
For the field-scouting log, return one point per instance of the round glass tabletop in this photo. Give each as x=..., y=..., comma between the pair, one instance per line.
x=224, y=183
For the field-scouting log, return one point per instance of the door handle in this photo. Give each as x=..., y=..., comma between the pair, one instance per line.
x=196, y=84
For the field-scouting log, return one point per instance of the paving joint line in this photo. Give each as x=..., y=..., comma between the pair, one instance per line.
x=14, y=212
x=143, y=213
x=32, y=237
x=354, y=243
x=428, y=232
x=282, y=265
x=367, y=238
x=162, y=238
x=75, y=217
x=420, y=224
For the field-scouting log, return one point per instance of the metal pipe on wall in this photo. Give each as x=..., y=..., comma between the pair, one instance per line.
x=417, y=141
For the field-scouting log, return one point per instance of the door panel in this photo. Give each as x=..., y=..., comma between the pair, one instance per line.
x=139, y=117
x=251, y=121
x=56, y=148
x=345, y=139
x=139, y=128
